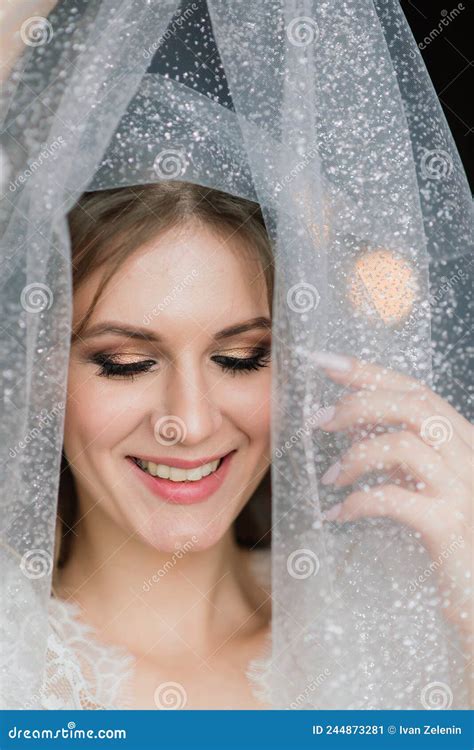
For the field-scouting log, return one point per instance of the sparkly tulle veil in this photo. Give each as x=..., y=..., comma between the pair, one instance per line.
x=325, y=115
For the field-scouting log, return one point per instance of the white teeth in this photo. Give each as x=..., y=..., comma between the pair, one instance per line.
x=179, y=475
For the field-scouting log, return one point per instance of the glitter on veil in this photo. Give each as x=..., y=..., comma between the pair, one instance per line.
x=323, y=113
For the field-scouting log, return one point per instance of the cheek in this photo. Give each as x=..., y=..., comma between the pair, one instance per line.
x=101, y=413
x=97, y=414
x=248, y=404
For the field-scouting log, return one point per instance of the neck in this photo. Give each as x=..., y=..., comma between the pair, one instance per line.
x=141, y=597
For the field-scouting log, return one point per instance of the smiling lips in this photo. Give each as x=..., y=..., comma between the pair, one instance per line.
x=177, y=474
x=185, y=482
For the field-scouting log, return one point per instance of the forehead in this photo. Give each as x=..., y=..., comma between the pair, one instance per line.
x=189, y=274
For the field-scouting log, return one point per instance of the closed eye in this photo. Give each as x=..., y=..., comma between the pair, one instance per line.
x=109, y=368
x=243, y=364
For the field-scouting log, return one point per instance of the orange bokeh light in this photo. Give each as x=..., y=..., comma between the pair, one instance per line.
x=383, y=284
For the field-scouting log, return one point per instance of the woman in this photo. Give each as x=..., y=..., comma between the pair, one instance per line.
x=329, y=123
x=170, y=371
x=191, y=267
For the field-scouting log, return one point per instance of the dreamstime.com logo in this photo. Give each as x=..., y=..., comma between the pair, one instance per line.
x=436, y=164
x=305, y=430
x=436, y=696
x=46, y=153
x=447, y=284
x=303, y=297
x=169, y=564
x=170, y=430
x=157, y=309
x=302, y=563
x=44, y=419
x=71, y=732
x=447, y=17
x=36, y=297
x=170, y=696
x=36, y=563
x=299, y=167
x=171, y=163
x=36, y=31
x=302, y=31
x=171, y=30
x=314, y=683
x=436, y=564
x=436, y=430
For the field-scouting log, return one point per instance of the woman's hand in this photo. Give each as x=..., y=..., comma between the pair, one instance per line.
x=429, y=462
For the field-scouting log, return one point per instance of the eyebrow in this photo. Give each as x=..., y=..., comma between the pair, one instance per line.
x=143, y=334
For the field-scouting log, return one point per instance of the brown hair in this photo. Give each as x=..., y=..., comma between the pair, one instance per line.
x=106, y=227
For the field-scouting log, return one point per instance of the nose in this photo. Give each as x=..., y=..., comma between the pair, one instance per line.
x=188, y=415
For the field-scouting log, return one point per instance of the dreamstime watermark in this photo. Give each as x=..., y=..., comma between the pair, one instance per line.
x=446, y=285
x=303, y=297
x=36, y=31
x=171, y=163
x=315, y=682
x=171, y=30
x=169, y=564
x=48, y=695
x=170, y=430
x=170, y=297
x=311, y=154
x=46, y=153
x=44, y=420
x=302, y=563
x=313, y=421
x=71, y=732
x=170, y=696
x=436, y=696
x=302, y=31
x=436, y=164
x=36, y=563
x=447, y=17
x=436, y=430
x=36, y=297
x=435, y=564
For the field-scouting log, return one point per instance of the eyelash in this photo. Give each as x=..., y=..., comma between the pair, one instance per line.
x=232, y=365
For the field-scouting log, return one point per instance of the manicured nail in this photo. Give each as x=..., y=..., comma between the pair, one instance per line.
x=332, y=473
x=332, y=361
x=333, y=512
x=324, y=415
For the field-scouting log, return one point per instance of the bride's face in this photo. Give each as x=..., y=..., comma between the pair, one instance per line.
x=181, y=295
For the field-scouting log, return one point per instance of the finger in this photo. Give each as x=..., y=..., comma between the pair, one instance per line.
x=409, y=412
x=431, y=518
x=387, y=452
x=357, y=374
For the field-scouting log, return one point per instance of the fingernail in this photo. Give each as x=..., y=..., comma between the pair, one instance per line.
x=333, y=512
x=332, y=473
x=324, y=415
x=332, y=361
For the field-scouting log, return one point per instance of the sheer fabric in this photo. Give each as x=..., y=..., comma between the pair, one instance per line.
x=324, y=113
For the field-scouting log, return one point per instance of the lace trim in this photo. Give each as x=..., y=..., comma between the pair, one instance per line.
x=84, y=673
x=258, y=669
x=258, y=673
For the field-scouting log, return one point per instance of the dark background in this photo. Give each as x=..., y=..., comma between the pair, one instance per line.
x=193, y=59
x=448, y=59
x=190, y=56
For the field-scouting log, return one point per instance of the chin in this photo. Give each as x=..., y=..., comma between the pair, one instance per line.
x=189, y=534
